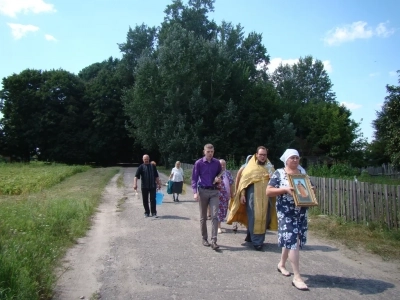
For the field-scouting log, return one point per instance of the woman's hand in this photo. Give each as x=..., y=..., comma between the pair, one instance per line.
x=289, y=190
x=243, y=199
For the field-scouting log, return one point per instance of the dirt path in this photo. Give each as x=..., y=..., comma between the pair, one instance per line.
x=125, y=256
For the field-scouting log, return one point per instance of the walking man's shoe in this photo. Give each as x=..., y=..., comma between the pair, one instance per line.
x=214, y=246
x=258, y=247
x=206, y=243
x=146, y=215
x=154, y=215
x=248, y=238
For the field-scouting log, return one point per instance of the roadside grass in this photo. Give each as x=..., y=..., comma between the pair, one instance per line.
x=39, y=225
x=373, y=238
x=21, y=178
x=346, y=172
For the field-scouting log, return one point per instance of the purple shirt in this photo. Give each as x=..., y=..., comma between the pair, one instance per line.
x=204, y=172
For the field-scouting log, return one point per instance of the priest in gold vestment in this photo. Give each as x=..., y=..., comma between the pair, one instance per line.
x=251, y=206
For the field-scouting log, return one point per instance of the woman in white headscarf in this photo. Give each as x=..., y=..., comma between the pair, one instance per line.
x=292, y=220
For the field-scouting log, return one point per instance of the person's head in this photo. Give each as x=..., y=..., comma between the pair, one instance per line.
x=146, y=159
x=153, y=163
x=178, y=164
x=208, y=151
x=223, y=164
x=291, y=158
x=261, y=154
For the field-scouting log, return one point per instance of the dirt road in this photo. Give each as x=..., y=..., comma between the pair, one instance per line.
x=127, y=256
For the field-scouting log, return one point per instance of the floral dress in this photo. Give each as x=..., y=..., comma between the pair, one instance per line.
x=224, y=195
x=292, y=220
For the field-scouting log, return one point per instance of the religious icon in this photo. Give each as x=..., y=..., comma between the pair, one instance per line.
x=303, y=194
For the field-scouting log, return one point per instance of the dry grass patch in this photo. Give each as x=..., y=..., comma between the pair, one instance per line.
x=371, y=237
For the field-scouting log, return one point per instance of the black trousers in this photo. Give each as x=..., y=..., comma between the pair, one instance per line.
x=145, y=196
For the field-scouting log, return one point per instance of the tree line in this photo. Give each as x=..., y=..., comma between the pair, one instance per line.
x=181, y=85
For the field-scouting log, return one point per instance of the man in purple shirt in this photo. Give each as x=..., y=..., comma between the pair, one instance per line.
x=205, y=177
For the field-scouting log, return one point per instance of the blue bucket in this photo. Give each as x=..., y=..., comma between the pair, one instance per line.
x=159, y=198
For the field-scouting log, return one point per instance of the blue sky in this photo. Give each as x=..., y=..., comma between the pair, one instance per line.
x=358, y=40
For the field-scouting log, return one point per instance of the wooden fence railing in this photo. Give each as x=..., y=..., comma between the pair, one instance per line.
x=359, y=202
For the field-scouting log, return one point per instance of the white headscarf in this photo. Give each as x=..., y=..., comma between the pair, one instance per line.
x=288, y=153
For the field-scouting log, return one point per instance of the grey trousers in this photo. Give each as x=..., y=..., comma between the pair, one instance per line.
x=209, y=198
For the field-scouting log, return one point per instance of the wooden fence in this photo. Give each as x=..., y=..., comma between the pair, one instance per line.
x=359, y=202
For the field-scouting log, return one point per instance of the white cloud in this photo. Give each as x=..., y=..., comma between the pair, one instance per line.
x=356, y=30
x=351, y=106
x=376, y=74
x=382, y=31
x=276, y=62
x=13, y=7
x=327, y=66
x=19, y=30
x=50, y=38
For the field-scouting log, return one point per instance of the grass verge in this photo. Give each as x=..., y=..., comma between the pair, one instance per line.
x=22, y=178
x=372, y=237
x=36, y=229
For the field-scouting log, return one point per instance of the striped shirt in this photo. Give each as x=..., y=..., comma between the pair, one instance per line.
x=147, y=173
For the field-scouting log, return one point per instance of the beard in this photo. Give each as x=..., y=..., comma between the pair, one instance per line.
x=261, y=163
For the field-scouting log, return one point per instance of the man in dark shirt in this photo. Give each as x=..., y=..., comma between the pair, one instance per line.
x=204, y=179
x=148, y=174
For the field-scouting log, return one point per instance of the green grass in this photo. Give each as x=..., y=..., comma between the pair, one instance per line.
x=374, y=238
x=345, y=171
x=20, y=178
x=36, y=228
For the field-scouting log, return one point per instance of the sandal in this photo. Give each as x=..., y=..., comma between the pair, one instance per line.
x=302, y=288
x=284, y=274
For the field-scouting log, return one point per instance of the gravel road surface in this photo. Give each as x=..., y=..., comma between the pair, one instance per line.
x=127, y=256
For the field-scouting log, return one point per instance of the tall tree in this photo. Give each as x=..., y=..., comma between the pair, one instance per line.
x=21, y=101
x=282, y=138
x=192, y=17
x=387, y=123
x=139, y=39
x=45, y=110
x=108, y=142
x=323, y=126
x=204, y=87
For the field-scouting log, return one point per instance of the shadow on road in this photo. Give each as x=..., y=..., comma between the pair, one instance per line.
x=172, y=202
x=173, y=217
x=363, y=286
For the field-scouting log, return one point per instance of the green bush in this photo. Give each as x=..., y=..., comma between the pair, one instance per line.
x=338, y=170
